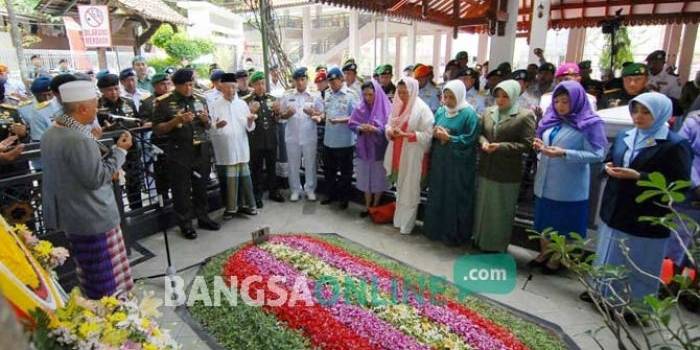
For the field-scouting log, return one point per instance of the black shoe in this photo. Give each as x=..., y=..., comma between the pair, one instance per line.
x=259, y=203
x=275, y=196
x=188, y=232
x=364, y=214
x=229, y=214
x=208, y=224
x=326, y=201
x=585, y=296
x=343, y=205
x=248, y=211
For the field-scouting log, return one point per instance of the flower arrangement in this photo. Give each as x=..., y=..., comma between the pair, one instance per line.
x=108, y=324
x=351, y=322
x=48, y=256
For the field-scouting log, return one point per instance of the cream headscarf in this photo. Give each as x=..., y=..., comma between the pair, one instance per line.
x=459, y=90
x=512, y=89
x=399, y=114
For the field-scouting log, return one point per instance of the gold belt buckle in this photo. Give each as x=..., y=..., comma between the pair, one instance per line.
x=196, y=142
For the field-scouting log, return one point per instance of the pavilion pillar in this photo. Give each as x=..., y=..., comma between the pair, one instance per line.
x=672, y=39
x=574, y=47
x=411, y=54
x=538, y=28
x=397, y=57
x=306, y=35
x=437, y=45
x=354, y=35
x=384, y=58
x=685, y=58
x=483, y=48
x=448, y=47
x=503, y=46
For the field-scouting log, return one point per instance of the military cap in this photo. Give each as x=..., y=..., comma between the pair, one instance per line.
x=107, y=81
x=216, y=74
x=334, y=73
x=241, y=73
x=658, y=55
x=635, y=69
x=584, y=64
x=182, y=76
x=126, y=73
x=229, y=77
x=547, y=67
x=520, y=74
x=257, y=76
x=41, y=85
x=300, y=72
x=157, y=78
x=462, y=55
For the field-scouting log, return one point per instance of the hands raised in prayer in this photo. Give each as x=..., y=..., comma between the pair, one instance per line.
x=621, y=172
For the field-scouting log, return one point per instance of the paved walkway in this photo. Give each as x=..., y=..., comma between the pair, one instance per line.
x=552, y=298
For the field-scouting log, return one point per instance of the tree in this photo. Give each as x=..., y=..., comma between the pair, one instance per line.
x=179, y=46
x=624, y=50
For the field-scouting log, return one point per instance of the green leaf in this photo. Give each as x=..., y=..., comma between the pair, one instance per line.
x=680, y=184
x=647, y=194
x=658, y=179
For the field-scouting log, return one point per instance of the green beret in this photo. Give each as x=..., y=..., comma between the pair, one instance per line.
x=635, y=69
x=584, y=65
x=256, y=76
x=157, y=78
x=384, y=69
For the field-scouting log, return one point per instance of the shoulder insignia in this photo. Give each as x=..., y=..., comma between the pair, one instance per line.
x=8, y=106
x=611, y=91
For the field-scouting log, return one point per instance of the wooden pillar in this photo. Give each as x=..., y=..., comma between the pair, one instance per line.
x=448, y=47
x=672, y=39
x=574, y=47
x=411, y=55
x=685, y=58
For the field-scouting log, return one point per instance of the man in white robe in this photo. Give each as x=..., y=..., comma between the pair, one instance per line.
x=233, y=120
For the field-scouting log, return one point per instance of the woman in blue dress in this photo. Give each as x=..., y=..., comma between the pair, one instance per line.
x=570, y=137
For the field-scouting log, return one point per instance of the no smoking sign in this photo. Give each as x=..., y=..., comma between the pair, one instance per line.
x=94, y=21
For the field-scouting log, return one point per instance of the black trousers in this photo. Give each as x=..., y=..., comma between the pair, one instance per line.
x=160, y=172
x=262, y=171
x=338, y=160
x=133, y=169
x=188, y=181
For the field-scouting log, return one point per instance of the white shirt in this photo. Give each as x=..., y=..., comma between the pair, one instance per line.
x=665, y=83
x=276, y=89
x=211, y=96
x=230, y=142
x=15, y=87
x=138, y=96
x=301, y=129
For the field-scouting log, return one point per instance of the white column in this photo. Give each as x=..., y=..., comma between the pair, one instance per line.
x=448, y=47
x=411, y=54
x=397, y=58
x=437, y=44
x=538, y=29
x=306, y=35
x=385, y=41
x=502, y=47
x=482, y=54
x=354, y=35
x=685, y=58
x=574, y=47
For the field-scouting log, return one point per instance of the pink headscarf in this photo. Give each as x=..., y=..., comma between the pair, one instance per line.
x=399, y=114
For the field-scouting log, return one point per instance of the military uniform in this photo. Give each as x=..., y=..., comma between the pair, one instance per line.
x=133, y=167
x=187, y=156
x=263, y=141
x=160, y=171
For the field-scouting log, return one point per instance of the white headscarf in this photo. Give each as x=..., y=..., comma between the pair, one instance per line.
x=459, y=90
x=399, y=115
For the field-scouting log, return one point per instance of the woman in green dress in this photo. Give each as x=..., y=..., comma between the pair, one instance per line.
x=507, y=132
x=451, y=178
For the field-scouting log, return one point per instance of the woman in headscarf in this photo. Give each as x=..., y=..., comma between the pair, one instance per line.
x=449, y=214
x=506, y=133
x=368, y=121
x=410, y=132
x=649, y=147
x=570, y=136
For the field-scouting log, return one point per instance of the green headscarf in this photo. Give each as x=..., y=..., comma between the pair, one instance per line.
x=512, y=89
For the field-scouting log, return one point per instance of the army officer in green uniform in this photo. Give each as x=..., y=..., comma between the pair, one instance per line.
x=183, y=118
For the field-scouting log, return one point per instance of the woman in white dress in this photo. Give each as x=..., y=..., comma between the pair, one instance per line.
x=410, y=132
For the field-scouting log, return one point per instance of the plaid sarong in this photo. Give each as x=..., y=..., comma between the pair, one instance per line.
x=102, y=265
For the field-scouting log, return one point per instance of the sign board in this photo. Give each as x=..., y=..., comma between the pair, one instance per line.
x=94, y=20
x=260, y=235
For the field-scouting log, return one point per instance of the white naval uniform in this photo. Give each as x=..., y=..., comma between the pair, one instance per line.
x=667, y=84
x=301, y=138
